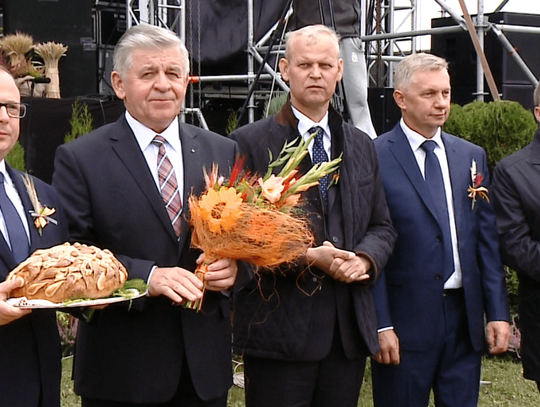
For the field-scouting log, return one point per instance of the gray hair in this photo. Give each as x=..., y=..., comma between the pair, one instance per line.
x=537, y=95
x=150, y=37
x=311, y=32
x=416, y=62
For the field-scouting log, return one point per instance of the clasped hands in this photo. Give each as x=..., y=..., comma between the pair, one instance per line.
x=181, y=285
x=342, y=265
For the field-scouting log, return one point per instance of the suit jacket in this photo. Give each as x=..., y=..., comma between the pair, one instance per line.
x=293, y=315
x=516, y=197
x=112, y=201
x=410, y=294
x=30, y=346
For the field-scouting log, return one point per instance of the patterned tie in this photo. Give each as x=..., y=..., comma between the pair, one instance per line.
x=168, y=185
x=15, y=228
x=319, y=156
x=435, y=183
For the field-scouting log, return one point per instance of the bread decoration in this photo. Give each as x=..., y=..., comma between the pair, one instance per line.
x=68, y=272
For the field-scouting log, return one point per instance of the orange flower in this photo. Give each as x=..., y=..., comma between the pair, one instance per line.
x=271, y=188
x=221, y=209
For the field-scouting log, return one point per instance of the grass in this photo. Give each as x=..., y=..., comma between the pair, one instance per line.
x=507, y=386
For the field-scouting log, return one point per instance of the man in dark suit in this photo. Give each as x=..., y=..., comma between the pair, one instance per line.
x=157, y=353
x=29, y=343
x=445, y=273
x=516, y=197
x=305, y=333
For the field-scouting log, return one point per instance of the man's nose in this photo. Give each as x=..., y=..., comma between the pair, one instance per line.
x=162, y=81
x=441, y=100
x=315, y=70
x=3, y=113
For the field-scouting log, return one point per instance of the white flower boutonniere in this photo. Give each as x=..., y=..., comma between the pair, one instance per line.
x=476, y=189
x=42, y=214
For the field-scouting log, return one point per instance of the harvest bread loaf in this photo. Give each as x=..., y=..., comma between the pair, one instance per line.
x=67, y=272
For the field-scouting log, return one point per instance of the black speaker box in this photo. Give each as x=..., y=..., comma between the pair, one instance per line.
x=65, y=21
x=384, y=112
x=458, y=50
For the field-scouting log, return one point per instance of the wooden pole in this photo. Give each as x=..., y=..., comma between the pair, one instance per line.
x=485, y=66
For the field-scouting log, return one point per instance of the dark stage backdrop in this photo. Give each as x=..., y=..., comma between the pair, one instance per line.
x=47, y=122
x=224, y=32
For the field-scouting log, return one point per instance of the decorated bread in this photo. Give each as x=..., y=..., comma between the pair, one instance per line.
x=68, y=272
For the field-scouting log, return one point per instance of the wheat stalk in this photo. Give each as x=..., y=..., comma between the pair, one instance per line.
x=17, y=46
x=51, y=52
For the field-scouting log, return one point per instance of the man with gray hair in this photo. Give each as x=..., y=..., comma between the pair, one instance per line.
x=445, y=274
x=126, y=188
x=516, y=196
x=305, y=332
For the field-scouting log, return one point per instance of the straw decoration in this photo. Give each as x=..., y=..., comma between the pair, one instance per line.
x=17, y=46
x=51, y=52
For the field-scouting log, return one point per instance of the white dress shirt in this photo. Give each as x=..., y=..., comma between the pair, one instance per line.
x=13, y=195
x=415, y=141
x=305, y=124
x=173, y=147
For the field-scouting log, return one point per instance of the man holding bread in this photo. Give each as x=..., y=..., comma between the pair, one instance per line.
x=29, y=344
x=125, y=187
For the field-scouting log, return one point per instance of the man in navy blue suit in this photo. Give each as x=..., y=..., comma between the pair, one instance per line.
x=29, y=343
x=445, y=274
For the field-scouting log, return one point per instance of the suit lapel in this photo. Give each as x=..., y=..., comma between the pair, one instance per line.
x=5, y=251
x=459, y=170
x=28, y=208
x=191, y=156
x=401, y=149
x=126, y=147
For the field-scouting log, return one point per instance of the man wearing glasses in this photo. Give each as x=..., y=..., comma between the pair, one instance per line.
x=29, y=342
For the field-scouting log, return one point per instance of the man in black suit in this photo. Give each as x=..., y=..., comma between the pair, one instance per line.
x=29, y=342
x=157, y=353
x=516, y=197
x=305, y=333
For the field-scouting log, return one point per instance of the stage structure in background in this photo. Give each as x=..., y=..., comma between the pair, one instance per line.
x=235, y=44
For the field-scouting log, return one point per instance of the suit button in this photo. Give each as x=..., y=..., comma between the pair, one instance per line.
x=438, y=276
x=439, y=238
x=335, y=239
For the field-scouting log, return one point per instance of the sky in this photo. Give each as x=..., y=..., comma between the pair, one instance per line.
x=428, y=9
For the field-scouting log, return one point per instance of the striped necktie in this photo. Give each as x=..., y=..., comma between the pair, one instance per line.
x=18, y=238
x=168, y=185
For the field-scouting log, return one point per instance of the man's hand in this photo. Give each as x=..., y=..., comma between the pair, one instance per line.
x=498, y=336
x=389, y=352
x=179, y=284
x=9, y=313
x=221, y=274
x=341, y=265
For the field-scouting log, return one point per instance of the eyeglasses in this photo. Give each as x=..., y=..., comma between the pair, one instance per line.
x=14, y=110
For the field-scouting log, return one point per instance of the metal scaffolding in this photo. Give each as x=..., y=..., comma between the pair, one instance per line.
x=389, y=27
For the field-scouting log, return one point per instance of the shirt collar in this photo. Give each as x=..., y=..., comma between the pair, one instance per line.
x=305, y=123
x=145, y=135
x=416, y=139
x=3, y=170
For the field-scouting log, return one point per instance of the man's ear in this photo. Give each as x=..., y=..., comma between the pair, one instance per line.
x=340, y=69
x=284, y=69
x=118, y=85
x=399, y=98
x=537, y=113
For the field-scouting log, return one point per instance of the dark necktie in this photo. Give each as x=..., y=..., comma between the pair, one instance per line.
x=15, y=228
x=434, y=180
x=168, y=185
x=319, y=156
